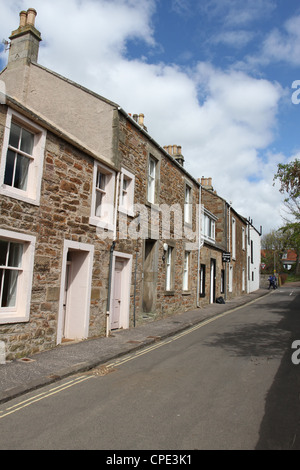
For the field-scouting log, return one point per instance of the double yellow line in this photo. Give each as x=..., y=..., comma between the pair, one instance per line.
x=167, y=341
x=42, y=396
x=112, y=365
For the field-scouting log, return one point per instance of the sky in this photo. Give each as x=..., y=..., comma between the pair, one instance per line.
x=220, y=78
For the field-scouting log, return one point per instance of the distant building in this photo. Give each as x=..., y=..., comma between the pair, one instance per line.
x=289, y=259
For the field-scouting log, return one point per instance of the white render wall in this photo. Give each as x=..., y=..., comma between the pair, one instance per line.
x=83, y=115
x=254, y=260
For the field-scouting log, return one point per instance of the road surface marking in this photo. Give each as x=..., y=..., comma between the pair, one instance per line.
x=42, y=396
x=71, y=383
x=177, y=336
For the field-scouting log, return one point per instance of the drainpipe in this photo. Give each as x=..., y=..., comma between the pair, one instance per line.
x=111, y=258
x=226, y=248
x=135, y=273
x=228, y=232
x=199, y=246
x=109, y=287
x=116, y=206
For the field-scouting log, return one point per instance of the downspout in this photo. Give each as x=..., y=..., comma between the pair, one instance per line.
x=199, y=246
x=226, y=247
x=135, y=273
x=111, y=258
x=228, y=241
x=109, y=288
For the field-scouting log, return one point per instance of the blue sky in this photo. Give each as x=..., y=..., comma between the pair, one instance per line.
x=213, y=76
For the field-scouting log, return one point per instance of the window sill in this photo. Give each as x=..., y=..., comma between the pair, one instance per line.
x=169, y=292
x=19, y=195
x=152, y=205
x=127, y=212
x=186, y=292
x=6, y=318
x=95, y=221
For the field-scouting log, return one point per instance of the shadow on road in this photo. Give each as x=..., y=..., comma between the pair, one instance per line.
x=280, y=426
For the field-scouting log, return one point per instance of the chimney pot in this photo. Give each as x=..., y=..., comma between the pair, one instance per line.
x=141, y=119
x=23, y=18
x=31, y=15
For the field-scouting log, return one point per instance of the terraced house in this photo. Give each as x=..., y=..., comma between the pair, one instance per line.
x=92, y=238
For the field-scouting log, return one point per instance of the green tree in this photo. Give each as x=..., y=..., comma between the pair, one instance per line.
x=289, y=177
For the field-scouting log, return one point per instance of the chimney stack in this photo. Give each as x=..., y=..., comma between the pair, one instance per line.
x=24, y=46
x=207, y=183
x=139, y=119
x=175, y=152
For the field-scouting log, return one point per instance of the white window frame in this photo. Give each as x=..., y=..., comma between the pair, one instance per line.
x=35, y=171
x=151, y=183
x=127, y=185
x=186, y=271
x=169, y=268
x=209, y=226
x=243, y=238
x=187, y=204
x=105, y=219
x=21, y=311
x=233, y=237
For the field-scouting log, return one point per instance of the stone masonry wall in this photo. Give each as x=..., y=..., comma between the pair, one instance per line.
x=135, y=149
x=63, y=214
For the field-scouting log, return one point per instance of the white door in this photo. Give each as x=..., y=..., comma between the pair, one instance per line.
x=76, y=295
x=212, y=280
x=117, y=295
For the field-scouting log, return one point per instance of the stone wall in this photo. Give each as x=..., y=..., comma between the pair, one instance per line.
x=135, y=148
x=63, y=214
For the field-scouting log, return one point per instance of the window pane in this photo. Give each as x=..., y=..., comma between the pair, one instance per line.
x=126, y=182
x=9, y=168
x=152, y=168
x=9, y=293
x=15, y=255
x=15, y=132
x=21, y=174
x=3, y=252
x=99, y=197
x=101, y=180
x=27, y=142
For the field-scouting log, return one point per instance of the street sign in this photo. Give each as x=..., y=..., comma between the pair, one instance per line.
x=226, y=258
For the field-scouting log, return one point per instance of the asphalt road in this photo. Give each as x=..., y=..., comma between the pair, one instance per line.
x=228, y=383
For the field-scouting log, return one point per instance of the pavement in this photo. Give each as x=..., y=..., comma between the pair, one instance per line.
x=21, y=376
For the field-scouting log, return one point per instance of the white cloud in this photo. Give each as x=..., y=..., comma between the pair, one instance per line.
x=224, y=121
x=237, y=39
x=232, y=13
x=284, y=45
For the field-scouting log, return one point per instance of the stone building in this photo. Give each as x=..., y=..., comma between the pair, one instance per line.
x=224, y=252
x=92, y=239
